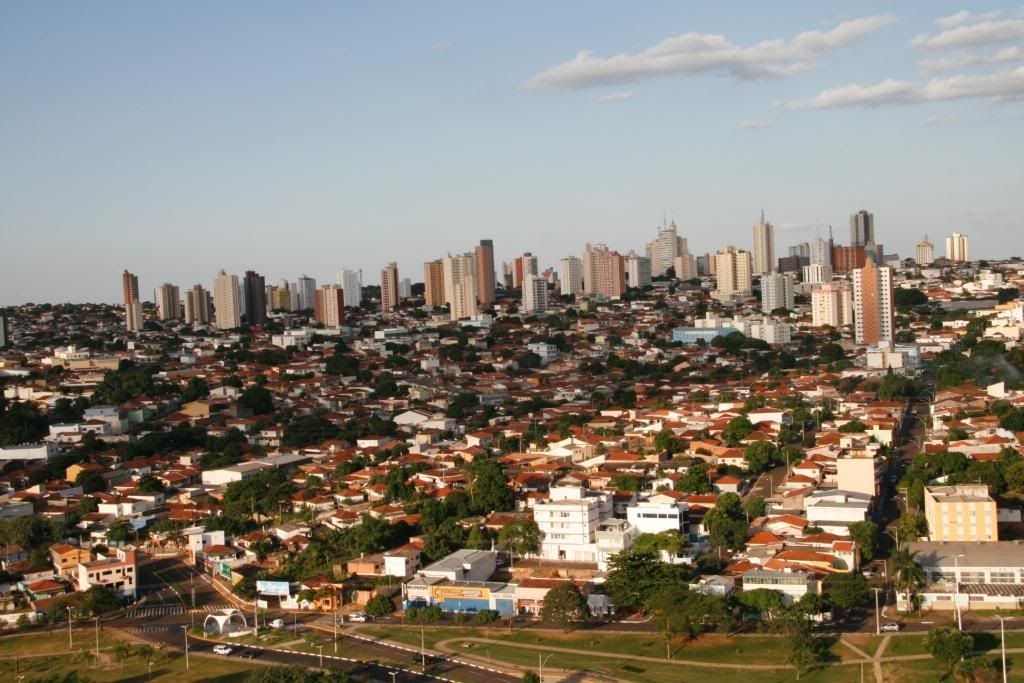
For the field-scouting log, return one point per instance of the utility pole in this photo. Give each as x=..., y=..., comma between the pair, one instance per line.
x=186, y=647
x=97, y=641
x=878, y=623
x=71, y=644
x=423, y=654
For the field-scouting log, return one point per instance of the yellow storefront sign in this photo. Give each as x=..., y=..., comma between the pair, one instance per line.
x=442, y=593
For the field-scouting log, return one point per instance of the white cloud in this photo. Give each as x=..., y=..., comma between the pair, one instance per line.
x=698, y=53
x=996, y=87
x=973, y=35
x=618, y=96
x=857, y=95
x=441, y=47
x=752, y=124
x=963, y=17
x=964, y=60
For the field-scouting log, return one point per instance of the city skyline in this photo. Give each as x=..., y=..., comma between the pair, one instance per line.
x=135, y=146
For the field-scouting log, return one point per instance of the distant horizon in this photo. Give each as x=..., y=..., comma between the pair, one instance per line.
x=180, y=138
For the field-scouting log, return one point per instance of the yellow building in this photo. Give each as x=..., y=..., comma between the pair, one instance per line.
x=965, y=512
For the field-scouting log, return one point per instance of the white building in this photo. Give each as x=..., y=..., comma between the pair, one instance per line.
x=832, y=304
x=956, y=247
x=764, y=247
x=227, y=301
x=116, y=572
x=686, y=267
x=351, y=282
x=663, y=251
x=460, y=285
x=28, y=452
x=638, y=271
x=835, y=510
x=570, y=276
x=168, y=302
x=817, y=273
x=925, y=253
x=569, y=520
x=732, y=273
x=777, y=291
x=305, y=288
x=821, y=252
x=656, y=516
x=535, y=294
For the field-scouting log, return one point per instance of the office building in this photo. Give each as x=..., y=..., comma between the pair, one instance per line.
x=732, y=273
x=485, y=285
x=925, y=254
x=965, y=512
x=255, y=298
x=198, y=306
x=862, y=229
x=606, y=271
x=570, y=275
x=305, y=288
x=132, y=305
x=685, y=267
x=872, y=304
x=351, y=282
x=802, y=250
x=638, y=271
x=956, y=248
x=777, y=292
x=329, y=306
x=523, y=266
x=832, y=304
x=227, y=301
x=389, y=287
x=764, y=247
x=820, y=251
x=433, y=283
x=168, y=302
x=405, y=288
x=816, y=273
x=460, y=285
x=535, y=294
x=847, y=259
x=280, y=297
x=663, y=250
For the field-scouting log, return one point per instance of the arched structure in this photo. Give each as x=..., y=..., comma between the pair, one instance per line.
x=224, y=621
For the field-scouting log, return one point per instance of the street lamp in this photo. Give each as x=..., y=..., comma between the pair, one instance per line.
x=540, y=665
x=956, y=591
x=97, y=641
x=878, y=622
x=320, y=649
x=1002, y=641
x=71, y=644
x=393, y=674
x=185, y=629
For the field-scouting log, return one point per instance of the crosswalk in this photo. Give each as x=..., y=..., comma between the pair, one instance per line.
x=153, y=628
x=165, y=610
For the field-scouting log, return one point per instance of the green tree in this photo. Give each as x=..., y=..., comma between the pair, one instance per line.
x=738, y=429
x=760, y=456
x=907, y=573
x=530, y=676
x=696, y=479
x=679, y=611
x=489, y=489
x=853, y=427
x=804, y=651
x=196, y=389
x=633, y=576
x=380, y=606
x=948, y=645
x=755, y=507
x=865, y=535
x=727, y=523
x=444, y=540
x=848, y=590
x=915, y=493
x=564, y=605
x=520, y=537
x=478, y=539
x=257, y=399
x=150, y=484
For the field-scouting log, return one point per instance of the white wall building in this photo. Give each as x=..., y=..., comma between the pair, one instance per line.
x=777, y=291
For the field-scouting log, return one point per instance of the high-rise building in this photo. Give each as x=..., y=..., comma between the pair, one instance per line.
x=764, y=247
x=606, y=271
x=306, y=287
x=168, y=302
x=433, y=283
x=351, y=282
x=802, y=250
x=820, y=251
x=535, y=294
x=663, y=250
x=832, y=304
x=570, y=274
x=862, y=228
x=329, y=306
x=685, y=266
x=523, y=266
x=389, y=287
x=638, y=271
x=816, y=273
x=732, y=272
x=227, y=302
x=132, y=305
x=255, y=298
x=460, y=285
x=197, y=306
x=925, y=254
x=847, y=259
x=777, y=291
x=485, y=286
x=405, y=288
x=872, y=304
x=280, y=297
x=956, y=248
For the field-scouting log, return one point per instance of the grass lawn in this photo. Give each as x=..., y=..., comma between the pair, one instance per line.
x=41, y=642
x=868, y=643
x=165, y=668
x=905, y=645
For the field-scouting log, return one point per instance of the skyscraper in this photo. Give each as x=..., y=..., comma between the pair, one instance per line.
x=168, y=301
x=777, y=291
x=764, y=247
x=817, y=273
x=433, y=283
x=485, y=274
x=732, y=273
x=862, y=228
x=405, y=288
x=132, y=305
x=638, y=271
x=570, y=274
x=956, y=248
x=663, y=250
x=604, y=271
x=306, y=286
x=925, y=253
x=831, y=304
x=329, y=306
x=820, y=251
x=535, y=294
x=255, y=298
x=523, y=266
x=197, y=306
x=460, y=285
x=685, y=266
x=389, y=287
x=351, y=282
x=280, y=297
x=227, y=302
x=872, y=304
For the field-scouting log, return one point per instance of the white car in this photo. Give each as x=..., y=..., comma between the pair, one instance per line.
x=222, y=649
x=892, y=626
x=277, y=623
x=357, y=617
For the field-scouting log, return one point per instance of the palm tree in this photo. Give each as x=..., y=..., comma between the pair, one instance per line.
x=907, y=573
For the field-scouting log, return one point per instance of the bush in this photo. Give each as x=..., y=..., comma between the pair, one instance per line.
x=379, y=606
x=487, y=616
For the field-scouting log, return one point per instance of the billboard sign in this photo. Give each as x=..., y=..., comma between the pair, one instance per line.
x=273, y=588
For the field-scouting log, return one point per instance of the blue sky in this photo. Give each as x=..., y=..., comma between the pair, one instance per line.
x=174, y=139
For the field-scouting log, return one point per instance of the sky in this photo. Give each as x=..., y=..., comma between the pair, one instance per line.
x=177, y=138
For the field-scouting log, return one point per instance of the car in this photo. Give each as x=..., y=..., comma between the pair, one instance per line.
x=357, y=617
x=222, y=650
x=891, y=627
x=249, y=654
x=277, y=623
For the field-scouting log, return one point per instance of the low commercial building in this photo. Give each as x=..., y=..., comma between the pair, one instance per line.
x=972, y=574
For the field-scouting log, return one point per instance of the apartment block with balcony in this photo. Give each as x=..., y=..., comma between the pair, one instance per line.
x=965, y=512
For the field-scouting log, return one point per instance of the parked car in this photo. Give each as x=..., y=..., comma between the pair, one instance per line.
x=277, y=623
x=249, y=654
x=222, y=650
x=357, y=617
x=891, y=626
